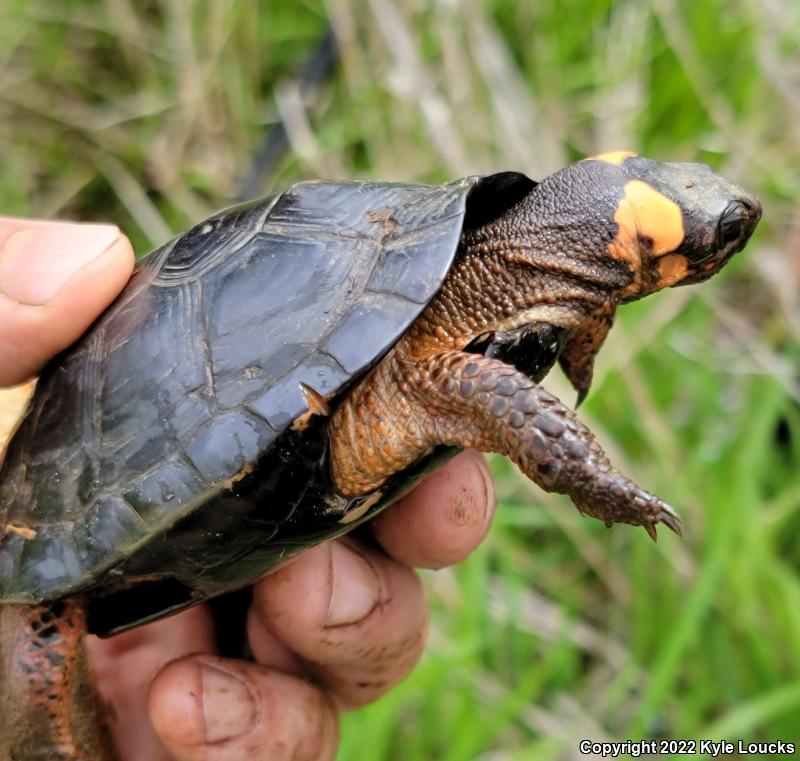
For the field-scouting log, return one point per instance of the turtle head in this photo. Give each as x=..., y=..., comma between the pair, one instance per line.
x=674, y=223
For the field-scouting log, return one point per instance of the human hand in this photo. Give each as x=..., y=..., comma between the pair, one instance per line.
x=55, y=279
x=334, y=629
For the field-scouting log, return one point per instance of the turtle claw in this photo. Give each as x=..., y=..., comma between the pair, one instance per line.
x=671, y=520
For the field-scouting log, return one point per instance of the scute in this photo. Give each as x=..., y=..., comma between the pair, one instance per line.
x=195, y=370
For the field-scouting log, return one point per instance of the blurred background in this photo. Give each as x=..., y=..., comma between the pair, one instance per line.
x=153, y=113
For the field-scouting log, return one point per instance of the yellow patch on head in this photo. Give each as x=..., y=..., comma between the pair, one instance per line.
x=612, y=157
x=645, y=213
x=657, y=217
x=672, y=269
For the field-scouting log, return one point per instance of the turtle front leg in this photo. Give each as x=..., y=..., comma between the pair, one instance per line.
x=49, y=706
x=577, y=358
x=459, y=399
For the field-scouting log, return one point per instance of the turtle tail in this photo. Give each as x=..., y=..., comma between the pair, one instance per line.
x=49, y=707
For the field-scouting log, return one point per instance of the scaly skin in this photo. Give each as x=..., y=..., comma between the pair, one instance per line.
x=577, y=357
x=49, y=710
x=599, y=234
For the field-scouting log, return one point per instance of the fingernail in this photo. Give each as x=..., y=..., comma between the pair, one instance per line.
x=355, y=587
x=36, y=261
x=229, y=705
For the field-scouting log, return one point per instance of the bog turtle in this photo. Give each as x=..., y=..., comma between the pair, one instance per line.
x=284, y=369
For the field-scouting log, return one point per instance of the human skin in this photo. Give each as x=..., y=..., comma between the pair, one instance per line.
x=361, y=625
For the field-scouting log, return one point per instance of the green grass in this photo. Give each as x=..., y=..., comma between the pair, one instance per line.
x=557, y=629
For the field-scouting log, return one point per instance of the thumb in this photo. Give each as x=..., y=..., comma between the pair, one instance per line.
x=55, y=279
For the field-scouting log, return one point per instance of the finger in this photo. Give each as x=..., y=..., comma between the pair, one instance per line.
x=444, y=519
x=269, y=650
x=215, y=708
x=124, y=666
x=55, y=279
x=357, y=617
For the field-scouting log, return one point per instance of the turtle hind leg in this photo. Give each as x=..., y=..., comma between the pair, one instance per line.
x=49, y=705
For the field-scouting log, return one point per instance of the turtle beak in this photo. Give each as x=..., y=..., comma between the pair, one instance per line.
x=734, y=228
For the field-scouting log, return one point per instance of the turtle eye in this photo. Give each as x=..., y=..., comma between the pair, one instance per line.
x=732, y=222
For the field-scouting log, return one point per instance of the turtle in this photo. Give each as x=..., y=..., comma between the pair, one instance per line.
x=289, y=366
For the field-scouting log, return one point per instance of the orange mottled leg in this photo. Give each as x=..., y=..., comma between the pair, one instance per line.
x=466, y=400
x=49, y=706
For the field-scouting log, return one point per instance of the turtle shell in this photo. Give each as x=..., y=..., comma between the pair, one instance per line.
x=170, y=455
